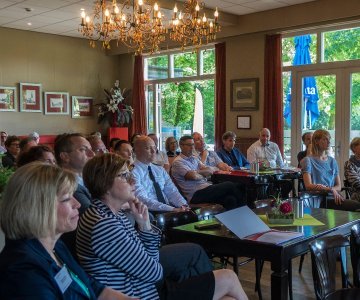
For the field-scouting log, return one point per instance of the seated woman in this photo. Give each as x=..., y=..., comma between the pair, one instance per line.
x=37, y=207
x=352, y=170
x=37, y=153
x=171, y=147
x=118, y=255
x=321, y=173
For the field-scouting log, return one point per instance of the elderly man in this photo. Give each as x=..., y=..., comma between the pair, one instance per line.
x=207, y=157
x=265, y=151
x=231, y=155
x=153, y=184
x=191, y=176
x=269, y=154
x=161, y=158
x=97, y=145
x=72, y=151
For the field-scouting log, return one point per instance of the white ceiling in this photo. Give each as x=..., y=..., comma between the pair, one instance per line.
x=62, y=17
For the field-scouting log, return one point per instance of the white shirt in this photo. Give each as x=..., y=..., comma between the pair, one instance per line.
x=161, y=159
x=145, y=191
x=270, y=154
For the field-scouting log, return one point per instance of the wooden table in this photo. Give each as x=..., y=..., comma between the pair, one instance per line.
x=223, y=242
x=256, y=184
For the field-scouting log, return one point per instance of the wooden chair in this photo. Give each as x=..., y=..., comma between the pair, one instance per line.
x=355, y=253
x=347, y=188
x=324, y=254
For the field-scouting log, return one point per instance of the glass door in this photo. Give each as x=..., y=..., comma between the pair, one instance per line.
x=326, y=99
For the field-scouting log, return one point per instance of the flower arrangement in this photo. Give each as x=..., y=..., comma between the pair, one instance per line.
x=115, y=112
x=281, y=212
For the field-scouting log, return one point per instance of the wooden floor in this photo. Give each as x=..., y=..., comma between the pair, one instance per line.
x=303, y=288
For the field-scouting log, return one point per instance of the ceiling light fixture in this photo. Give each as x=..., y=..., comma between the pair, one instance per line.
x=143, y=29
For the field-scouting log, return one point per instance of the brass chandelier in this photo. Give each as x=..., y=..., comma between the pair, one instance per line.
x=143, y=29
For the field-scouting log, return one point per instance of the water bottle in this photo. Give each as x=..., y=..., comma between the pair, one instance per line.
x=298, y=207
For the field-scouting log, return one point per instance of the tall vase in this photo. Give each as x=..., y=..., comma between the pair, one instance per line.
x=118, y=132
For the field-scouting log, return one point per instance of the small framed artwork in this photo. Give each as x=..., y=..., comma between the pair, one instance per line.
x=56, y=103
x=244, y=122
x=30, y=97
x=244, y=94
x=81, y=107
x=8, y=98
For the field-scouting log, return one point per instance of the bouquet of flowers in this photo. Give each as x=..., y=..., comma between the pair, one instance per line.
x=115, y=111
x=281, y=212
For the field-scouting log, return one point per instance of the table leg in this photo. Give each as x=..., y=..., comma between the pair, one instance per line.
x=279, y=285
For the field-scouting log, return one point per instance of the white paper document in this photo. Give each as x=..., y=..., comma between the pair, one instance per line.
x=245, y=224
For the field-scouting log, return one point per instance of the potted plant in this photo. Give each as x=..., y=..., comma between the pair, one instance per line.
x=5, y=174
x=281, y=212
x=115, y=111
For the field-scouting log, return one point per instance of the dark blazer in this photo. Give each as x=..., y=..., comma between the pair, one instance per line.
x=8, y=160
x=83, y=196
x=27, y=272
x=225, y=156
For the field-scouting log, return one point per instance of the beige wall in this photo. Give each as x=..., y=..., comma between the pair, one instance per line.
x=60, y=64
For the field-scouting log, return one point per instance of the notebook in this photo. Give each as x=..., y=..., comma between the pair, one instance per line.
x=245, y=224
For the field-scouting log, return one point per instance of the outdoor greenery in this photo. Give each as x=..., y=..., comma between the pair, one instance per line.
x=340, y=45
x=178, y=99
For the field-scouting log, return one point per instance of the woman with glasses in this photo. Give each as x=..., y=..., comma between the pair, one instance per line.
x=37, y=208
x=12, y=145
x=171, y=147
x=127, y=259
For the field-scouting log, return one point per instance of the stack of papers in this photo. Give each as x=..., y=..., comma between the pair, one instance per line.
x=245, y=224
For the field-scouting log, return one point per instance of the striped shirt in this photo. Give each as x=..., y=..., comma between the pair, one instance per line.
x=112, y=251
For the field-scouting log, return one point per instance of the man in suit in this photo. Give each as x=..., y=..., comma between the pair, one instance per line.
x=153, y=185
x=72, y=151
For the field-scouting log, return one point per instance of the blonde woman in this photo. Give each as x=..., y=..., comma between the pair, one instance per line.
x=37, y=208
x=321, y=173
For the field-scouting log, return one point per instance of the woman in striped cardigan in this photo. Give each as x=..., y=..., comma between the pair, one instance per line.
x=115, y=253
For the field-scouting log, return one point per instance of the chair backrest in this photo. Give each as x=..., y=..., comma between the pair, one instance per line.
x=324, y=254
x=355, y=253
x=347, y=189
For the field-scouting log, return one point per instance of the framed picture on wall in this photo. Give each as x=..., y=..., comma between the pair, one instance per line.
x=8, y=98
x=81, y=106
x=30, y=97
x=244, y=122
x=56, y=103
x=244, y=94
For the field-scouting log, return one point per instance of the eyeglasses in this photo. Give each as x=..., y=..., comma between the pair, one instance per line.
x=15, y=144
x=101, y=150
x=188, y=144
x=126, y=176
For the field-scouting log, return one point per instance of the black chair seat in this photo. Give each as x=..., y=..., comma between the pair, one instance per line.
x=344, y=294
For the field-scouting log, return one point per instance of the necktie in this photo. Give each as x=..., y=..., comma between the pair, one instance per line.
x=157, y=188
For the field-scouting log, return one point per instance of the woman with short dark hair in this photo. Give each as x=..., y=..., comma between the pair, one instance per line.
x=38, y=153
x=127, y=259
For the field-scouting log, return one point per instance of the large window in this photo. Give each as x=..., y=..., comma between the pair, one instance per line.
x=180, y=93
x=320, y=88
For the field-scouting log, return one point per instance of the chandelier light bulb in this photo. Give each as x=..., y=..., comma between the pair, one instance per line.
x=142, y=29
